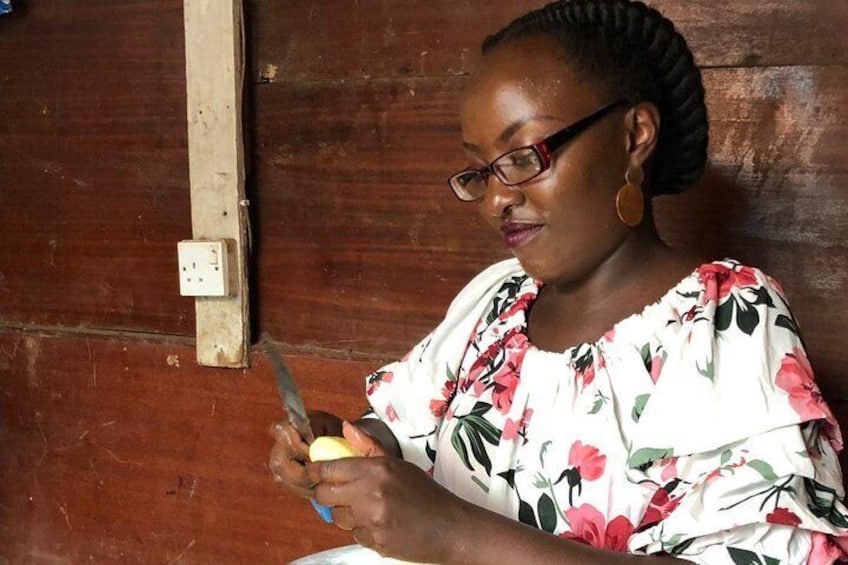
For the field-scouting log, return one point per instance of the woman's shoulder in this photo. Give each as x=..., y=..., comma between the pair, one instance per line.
x=487, y=283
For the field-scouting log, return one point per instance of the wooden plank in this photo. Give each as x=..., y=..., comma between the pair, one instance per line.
x=214, y=84
x=120, y=450
x=93, y=173
x=363, y=245
x=374, y=38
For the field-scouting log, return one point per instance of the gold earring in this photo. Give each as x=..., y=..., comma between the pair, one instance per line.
x=630, y=201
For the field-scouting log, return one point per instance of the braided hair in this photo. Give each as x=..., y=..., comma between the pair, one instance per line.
x=635, y=53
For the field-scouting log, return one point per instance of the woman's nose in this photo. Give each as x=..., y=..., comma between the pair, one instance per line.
x=499, y=199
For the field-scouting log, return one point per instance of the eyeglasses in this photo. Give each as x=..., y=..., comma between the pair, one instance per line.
x=523, y=164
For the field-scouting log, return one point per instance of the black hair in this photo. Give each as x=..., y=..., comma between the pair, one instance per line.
x=635, y=52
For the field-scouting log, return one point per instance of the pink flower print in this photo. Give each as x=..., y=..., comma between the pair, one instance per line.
x=720, y=280
x=521, y=304
x=795, y=376
x=391, y=413
x=587, y=460
x=438, y=406
x=504, y=391
x=376, y=379
x=506, y=376
x=660, y=506
x=730, y=467
x=657, y=362
x=588, y=527
x=827, y=550
x=513, y=429
x=669, y=471
x=783, y=516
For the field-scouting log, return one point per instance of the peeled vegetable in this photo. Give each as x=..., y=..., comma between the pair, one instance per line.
x=327, y=448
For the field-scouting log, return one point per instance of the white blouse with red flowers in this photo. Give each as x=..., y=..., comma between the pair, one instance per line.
x=693, y=428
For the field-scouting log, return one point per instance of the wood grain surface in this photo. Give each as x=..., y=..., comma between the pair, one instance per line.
x=326, y=39
x=94, y=171
x=116, y=450
x=362, y=246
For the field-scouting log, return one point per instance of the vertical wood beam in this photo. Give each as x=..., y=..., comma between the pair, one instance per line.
x=215, y=79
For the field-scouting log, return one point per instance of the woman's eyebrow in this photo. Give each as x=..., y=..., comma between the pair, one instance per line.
x=512, y=129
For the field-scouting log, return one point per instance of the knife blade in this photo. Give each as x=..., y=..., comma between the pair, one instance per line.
x=295, y=409
x=289, y=393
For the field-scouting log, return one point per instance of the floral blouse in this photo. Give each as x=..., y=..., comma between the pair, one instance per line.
x=693, y=428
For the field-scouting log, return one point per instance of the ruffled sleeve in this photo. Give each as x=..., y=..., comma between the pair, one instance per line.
x=411, y=395
x=748, y=471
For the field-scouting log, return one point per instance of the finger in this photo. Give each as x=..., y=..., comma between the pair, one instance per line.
x=325, y=424
x=341, y=493
x=363, y=537
x=288, y=472
x=337, y=471
x=362, y=442
x=285, y=434
x=343, y=518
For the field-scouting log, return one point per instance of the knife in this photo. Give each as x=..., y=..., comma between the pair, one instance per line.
x=288, y=390
x=295, y=409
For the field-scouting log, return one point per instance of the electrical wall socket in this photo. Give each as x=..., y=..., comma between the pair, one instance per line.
x=203, y=268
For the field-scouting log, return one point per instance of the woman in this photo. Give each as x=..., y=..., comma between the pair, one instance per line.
x=600, y=394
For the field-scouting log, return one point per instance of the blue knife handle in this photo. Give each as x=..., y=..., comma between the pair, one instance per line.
x=325, y=512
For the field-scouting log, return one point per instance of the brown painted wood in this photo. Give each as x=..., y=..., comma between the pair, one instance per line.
x=126, y=451
x=376, y=38
x=362, y=246
x=93, y=173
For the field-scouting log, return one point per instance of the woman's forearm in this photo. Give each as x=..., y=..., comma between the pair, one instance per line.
x=478, y=536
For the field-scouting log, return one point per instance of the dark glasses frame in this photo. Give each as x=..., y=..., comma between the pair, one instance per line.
x=543, y=149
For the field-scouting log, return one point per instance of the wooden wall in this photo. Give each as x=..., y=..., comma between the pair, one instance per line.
x=114, y=444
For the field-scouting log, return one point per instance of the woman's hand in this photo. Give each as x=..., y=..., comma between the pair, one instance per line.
x=291, y=452
x=390, y=505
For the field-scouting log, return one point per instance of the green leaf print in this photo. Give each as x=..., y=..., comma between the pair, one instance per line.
x=724, y=314
x=642, y=458
x=459, y=447
x=480, y=408
x=823, y=501
x=763, y=297
x=526, y=515
x=747, y=317
x=547, y=513
x=645, y=352
x=708, y=371
x=477, y=430
x=543, y=451
x=784, y=321
x=763, y=469
x=745, y=557
x=509, y=477
x=639, y=406
x=725, y=456
x=681, y=547
x=450, y=374
x=600, y=400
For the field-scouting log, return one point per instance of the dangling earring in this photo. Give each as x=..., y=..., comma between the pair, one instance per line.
x=630, y=201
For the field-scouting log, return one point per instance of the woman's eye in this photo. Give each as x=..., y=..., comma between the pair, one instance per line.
x=522, y=160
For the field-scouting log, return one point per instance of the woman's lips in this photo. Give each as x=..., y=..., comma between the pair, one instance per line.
x=516, y=234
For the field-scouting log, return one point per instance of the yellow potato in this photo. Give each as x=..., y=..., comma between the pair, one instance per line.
x=327, y=448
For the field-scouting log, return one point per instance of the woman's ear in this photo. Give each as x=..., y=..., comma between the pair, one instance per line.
x=643, y=129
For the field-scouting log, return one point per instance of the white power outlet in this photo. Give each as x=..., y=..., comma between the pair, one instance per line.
x=203, y=268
